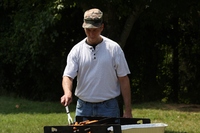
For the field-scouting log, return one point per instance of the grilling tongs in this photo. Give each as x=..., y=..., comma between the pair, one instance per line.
x=70, y=121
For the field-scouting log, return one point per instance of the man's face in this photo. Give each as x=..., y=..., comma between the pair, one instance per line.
x=93, y=34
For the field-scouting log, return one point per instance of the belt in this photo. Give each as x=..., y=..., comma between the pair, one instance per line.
x=97, y=102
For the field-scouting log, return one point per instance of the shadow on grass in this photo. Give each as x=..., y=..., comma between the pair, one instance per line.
x=163, y=106
x=17, y=105
x=174, y=132
x=9, y=105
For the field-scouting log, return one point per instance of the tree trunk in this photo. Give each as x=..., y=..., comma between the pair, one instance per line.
x=128, y=25
x=175, y=61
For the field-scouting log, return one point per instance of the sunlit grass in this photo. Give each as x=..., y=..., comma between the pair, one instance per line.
x=30, y=123
x=23, y=116
x=179, y=121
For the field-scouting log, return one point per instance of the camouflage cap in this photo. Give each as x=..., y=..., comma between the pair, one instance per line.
x=93, y=18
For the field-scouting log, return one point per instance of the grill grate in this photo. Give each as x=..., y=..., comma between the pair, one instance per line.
x=83, y=129
x=101, y=126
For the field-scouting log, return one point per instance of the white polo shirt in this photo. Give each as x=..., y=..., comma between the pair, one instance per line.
x=97, y=70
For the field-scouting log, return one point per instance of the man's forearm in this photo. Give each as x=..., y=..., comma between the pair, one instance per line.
x=67, y=84
x=66, y=99
x=126, y=93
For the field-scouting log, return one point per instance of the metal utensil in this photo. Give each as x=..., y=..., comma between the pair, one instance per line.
x=70, y=121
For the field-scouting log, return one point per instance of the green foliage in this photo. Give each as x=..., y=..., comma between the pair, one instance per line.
x=33, y=55
x=162, y=48
x=152, y=54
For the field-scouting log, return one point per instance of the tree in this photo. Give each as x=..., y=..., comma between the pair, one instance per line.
x=159, y=38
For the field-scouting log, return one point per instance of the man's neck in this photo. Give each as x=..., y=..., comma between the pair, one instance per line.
x=94, y=42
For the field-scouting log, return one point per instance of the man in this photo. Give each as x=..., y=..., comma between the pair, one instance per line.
x=101, y=71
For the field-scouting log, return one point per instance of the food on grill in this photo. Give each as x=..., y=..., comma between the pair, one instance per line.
x=82, y=123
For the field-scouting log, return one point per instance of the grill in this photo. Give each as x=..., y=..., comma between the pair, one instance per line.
x=102, y=125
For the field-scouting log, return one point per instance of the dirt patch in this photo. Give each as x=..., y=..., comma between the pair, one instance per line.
x=184, y=107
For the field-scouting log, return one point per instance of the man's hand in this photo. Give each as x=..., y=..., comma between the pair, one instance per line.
x=127, y=114
x=66, y=99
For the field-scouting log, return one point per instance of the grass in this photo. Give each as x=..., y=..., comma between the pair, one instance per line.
x=23, y=116
x=180, y=118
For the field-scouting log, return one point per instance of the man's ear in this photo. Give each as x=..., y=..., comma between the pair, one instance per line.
x=102, y=27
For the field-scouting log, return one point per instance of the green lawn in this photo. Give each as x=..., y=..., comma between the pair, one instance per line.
x=23, y=116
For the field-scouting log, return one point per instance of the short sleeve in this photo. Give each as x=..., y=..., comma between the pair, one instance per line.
x=121, y=65
x=71, y=68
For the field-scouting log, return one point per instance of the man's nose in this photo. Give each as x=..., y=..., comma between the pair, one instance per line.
x=91, y=33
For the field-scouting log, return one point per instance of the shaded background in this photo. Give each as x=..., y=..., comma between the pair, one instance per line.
x=160, y=40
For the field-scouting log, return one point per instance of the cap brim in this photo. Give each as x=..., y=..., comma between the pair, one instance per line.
x=87, y=25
